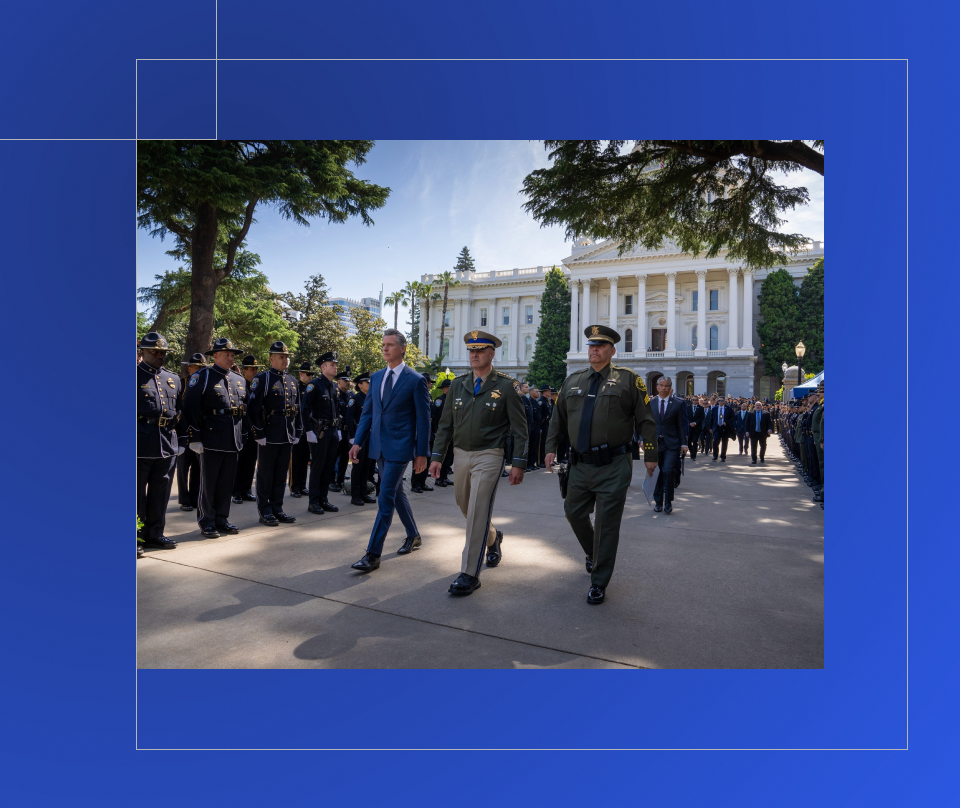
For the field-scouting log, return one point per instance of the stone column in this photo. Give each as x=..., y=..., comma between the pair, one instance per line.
x=515, y=328
x=574, y=310
x=455, y=330
x=703, y=338
x=613, y=302
x=733, y=319
x=747, y=342
x=493, y=316
x=671, y=343
x=585, y=320
x=640, y=338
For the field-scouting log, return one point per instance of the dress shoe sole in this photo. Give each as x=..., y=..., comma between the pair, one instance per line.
x=364, y=569
x=186, y=507
x=268, y=523
x=594, y=601
x=210, y=534
x=357, y=502
x=162, y=546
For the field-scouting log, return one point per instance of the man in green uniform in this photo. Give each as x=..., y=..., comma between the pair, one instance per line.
x=482, y=408
x=601, y=408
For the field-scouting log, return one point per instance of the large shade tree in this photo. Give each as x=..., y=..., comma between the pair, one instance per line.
x=197, y=190
x=703, y=195
x=315, y=320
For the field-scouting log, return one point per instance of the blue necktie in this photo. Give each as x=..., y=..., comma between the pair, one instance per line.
x=476, y=387
x=387, y=388
x=758, y=422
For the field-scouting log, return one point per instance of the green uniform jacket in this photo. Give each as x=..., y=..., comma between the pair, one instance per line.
x=621, y=410
x=816, y=421
x=475, y=423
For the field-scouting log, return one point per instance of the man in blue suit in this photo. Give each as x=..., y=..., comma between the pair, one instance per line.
x=395, y=422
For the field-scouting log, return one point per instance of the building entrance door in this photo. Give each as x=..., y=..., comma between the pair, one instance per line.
x=658, y=339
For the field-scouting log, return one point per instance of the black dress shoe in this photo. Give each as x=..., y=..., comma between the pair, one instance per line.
x=162, y=542
x=335, y=487
x=368, y=563
x=658, y=507
x=139, y=551
x=296, y=494
x=464, y=585
x=372, y=501
x=186, y=507
x=668, y=508
x=315, y=509
x=226, y=527
x=328, y=507
x=237, y=500
x=589, y=564
x=210, y=533
x=417, y=489
x=494, y=553
x=249, y=498
x=410, y=544
x=441, y=483
x=505, y=474
x=355, y=501
x=753, y=463
x=427, y=488
x=287, y=520
x=269, y=520
x=596, y=594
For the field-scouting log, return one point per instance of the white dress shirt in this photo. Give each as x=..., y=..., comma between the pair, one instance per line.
x=396, y=376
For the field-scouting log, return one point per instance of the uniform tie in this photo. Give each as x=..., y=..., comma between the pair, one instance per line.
x=476, y=386
x=583, y=434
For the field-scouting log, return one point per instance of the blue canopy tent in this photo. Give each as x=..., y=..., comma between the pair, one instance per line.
x=807, y=387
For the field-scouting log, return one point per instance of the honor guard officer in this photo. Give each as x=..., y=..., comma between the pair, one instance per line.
x=344, y=402
x=300, y=456
x=436, y=413
x=546, y=410
x=188, y=463
x=214, y=407
x=482, y=408
x=275, y=424
x=601, y=408
x=418, y=482
x=321, y=419
x=247, y=461
x=361, y=469
x=158, y=410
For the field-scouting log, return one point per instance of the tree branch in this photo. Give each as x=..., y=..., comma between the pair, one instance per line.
x=234, y=243
x=177, y=229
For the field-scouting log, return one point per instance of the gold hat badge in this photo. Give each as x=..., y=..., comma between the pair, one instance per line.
x=474, y=334
x=596, y=330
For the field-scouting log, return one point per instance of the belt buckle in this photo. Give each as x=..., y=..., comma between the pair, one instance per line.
x=234, y=410
x=163, y=420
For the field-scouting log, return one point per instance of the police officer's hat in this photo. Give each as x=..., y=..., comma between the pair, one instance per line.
x=279, y=348
x=250, y=362
x=544, y=388
x=344, y=374
x=444, y=384
x=196, y=359
x=222, y=344
x=478, y=340
x=329, y=356
x=305, y=368
x=363, y=377
x=427, y=377
x=553, y=389
x=599, y=334
x=153, y=341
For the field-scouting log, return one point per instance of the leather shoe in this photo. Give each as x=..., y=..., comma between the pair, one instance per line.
x=417, y=489
x=494, y=553
x=287, y=520
x=596, y=594
x=372, y=500
x=269, y=520
x=441, y=483
x=658, y=507
x=139, y=551
x=249, y=498
x=186, y=507
x=668, y=508
x=410, y=544
x=296, y=494
x=505, y=474
x=210, y=533
x=464, y=585
x=427, y=488
x=328, y=507
x=368, y=563
x=335, y=487
x=355, y=501
x=589, y=564
x=226, y=527
x=315, y=509
x=237, y=500
x=162, y=542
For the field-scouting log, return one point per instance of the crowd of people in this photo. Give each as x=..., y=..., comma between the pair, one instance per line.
x=238, y=433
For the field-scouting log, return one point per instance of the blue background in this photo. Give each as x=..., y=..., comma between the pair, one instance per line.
x=67, y=214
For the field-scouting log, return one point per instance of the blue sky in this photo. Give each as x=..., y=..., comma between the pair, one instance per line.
x=444, y=195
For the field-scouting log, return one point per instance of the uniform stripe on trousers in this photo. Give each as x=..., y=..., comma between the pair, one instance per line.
x=483, y=550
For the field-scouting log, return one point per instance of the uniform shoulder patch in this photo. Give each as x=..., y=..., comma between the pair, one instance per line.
x=438, y=403
x=516, y=386
x=309, y=387
x=194, y=379
x=350, y=403
x=255, y=383
x=641, y=386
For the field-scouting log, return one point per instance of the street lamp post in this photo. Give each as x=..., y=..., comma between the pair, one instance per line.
x=801, y=349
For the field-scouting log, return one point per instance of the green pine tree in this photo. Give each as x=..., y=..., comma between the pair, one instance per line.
x=810, y=302
x=548, y=365
x=465, y=261
x=779, y=327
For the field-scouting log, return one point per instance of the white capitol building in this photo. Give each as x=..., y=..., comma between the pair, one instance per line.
x=688, y=318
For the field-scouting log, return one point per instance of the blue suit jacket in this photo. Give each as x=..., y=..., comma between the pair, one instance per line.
x=398, y=428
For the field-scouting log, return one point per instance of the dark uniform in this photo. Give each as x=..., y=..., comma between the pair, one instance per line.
x=361, y=469
x=321, y=418
x=275, y=424
x=300, y=456
x=418, y=482
x=214, y=407
x=188, y=463
x=533, y=430
x=158, y=410
x=601, y=412
x=436, y=413
x=546, y=412
x=344, y=403
x=247, y=460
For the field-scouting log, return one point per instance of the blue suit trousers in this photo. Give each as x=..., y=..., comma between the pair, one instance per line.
x=392, y=498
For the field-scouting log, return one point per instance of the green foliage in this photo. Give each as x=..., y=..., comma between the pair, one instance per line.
x=318, y=328
x=465, y=262
x=779, y=327
x=704, y=195
x=435, y=391
x=810, y=306
x=414, y=291
x=397, y=299
x=139, y=527
x=445, y=279
x=548, y=365
x=362, y=351
x=778, y=396
x=415, y=358
x=429, y=298
x=143, y=325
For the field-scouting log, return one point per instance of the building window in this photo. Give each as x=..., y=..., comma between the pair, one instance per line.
x=628, y=339
x=446, y=349
x=696, y=296
x=714, y=338
x=505, y=349
x=628, y=304
x=694, y=336
x=527, y=348
x=714, y=300
x=506, y=315
x=483, y=317
x=446, y=318
x=529, y=315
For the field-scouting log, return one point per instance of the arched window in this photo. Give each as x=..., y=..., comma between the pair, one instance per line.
x=628, y=340
x=446, y=349
x=714, y=338
x=527, y=348
x=694, y=338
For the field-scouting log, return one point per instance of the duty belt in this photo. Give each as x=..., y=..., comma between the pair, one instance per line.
x=241, y=410
x=599, y=455
x=288, y=411
x=162, y=420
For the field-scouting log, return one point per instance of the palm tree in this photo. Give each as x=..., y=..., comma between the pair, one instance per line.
x=429, y=296
x=397, y=299
x=448, y=279
x=414, y=291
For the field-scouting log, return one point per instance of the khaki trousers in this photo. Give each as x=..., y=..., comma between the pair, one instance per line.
x=475, y=484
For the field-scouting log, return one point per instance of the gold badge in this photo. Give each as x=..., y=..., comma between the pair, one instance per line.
x=172, y=383
x=641, y=385
x=494, y=394
x=474, y=334
x=596, y=330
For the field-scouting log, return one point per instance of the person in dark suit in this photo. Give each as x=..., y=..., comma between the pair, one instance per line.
x=721, y=424
x=743, y=437
x=695, y=415
x=670, y=415
x=758, y=427
x=395, y=422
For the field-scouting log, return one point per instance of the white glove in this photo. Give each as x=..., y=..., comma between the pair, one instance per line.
x=311, y=438
x=197, y=447
x=179, y=451
x=339, y=436
x=262, y=441
x=351, y=441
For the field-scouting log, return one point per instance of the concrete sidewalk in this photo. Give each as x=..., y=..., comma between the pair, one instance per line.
x=732, y=579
